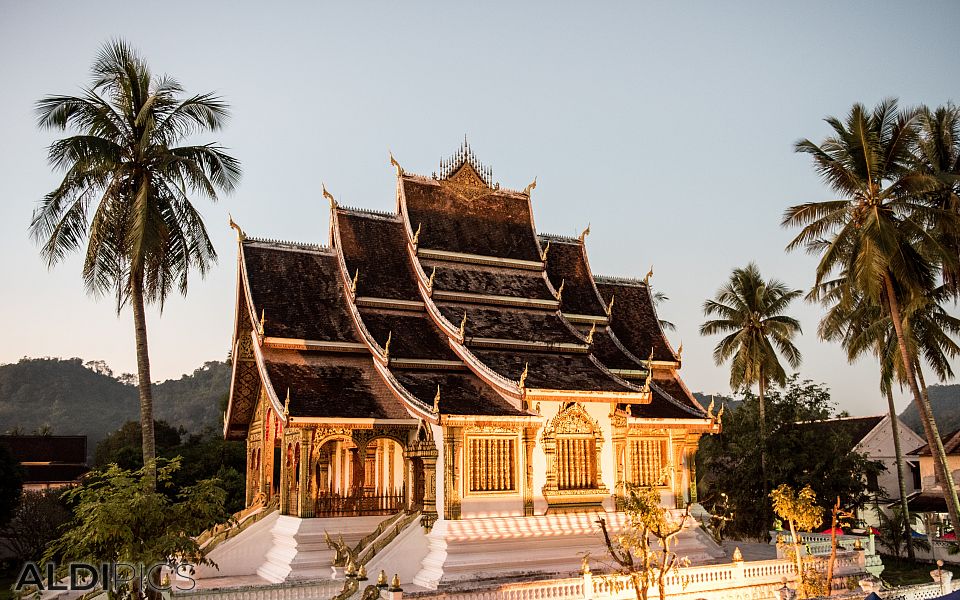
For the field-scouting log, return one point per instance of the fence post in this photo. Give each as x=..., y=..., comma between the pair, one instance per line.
x=587, y=578
x=738, y=574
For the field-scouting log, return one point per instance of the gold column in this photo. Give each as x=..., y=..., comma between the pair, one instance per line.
x=452, y=441
x=306, y=496
x=528, y=444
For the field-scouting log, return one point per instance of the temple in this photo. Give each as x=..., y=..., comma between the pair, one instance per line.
x=448, y=363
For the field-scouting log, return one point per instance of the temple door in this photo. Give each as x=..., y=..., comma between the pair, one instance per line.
x=419, y=484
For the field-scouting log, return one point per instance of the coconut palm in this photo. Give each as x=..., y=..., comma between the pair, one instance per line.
x=877, y=236
x=749, y=311
x=126, y=192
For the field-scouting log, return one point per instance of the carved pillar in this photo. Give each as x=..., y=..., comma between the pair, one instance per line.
x=618, y=424
x=529, y=441
x=692, y=469
x=306, y=490
x=429, y=490
x=453, y=442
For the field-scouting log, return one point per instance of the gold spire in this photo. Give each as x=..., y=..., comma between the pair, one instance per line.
x=394, y=162
x=353, y=284
x=386, y=346
x=286, y=404
x=646, y=278
x=585, y=233
x=610, y=306
x=416, y=236
x=593, y=330
x=328, y=196
x=530, y=187
x=543, y=253
x=523, y=377
x=433, y=275
x=436, y=401
x=560, y=290
x=263, y=319
x=240, y=234
x=463, y=325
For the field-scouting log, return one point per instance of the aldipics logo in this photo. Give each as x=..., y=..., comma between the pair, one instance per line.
x=112, y=577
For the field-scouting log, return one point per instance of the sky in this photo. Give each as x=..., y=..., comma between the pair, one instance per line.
x=668, y=127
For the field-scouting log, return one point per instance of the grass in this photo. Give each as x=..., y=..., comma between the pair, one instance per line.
x=900, y=571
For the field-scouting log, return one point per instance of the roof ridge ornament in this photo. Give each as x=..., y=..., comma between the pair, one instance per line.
x=522, y=384
x=353, y=283
x=583, y=234
x=543, y=253
x=649, y=377
x=328, y=195
x=710, y=408
x=416, y=235
x=468, y=185
x=680, y=351
x=386, y=346
x=286, y=404
x=530, y=187
x=263, y=319
x=241, y=236
x=463, y=326
x=433, y=275
x=436, y=402
x=646, y=278
x=559, y=293
x=593, y=330
x=610, y=306
x=396, y=165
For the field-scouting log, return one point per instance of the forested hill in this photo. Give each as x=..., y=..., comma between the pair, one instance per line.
x=945, y=400
x=70, y=397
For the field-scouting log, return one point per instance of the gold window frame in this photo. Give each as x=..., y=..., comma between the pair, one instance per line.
x=478, y=471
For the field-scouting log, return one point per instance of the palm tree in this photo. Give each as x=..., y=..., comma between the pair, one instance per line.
x=123, y=165
x=877, y=234
x=750, y=311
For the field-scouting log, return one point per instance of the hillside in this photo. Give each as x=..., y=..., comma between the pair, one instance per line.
x=70, y=397
x=945, y=401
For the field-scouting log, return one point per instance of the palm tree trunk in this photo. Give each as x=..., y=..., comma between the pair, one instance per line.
x=895, y=426
x=763, y=444
x=926, y=413
x=949, y=485
x=143, y=376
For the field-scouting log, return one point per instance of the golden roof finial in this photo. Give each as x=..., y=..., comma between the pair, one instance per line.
x=543, y=253
x=680, y=351
x=416, y=236
x=386, y=346
x=328, y=196
x=646, y=383
x=646, y=278
x=530, y=187
x=286, y=404
x=394, y=162
x=240, y=234
x=710, y=409
x=593, y=330
x=436, y=401
x=523, y=377
x=263, y=319
x=433, y=275
x=463, y=325
x=610, y=306
x=560, y=290
x=720, y=414
x=585, y=233
x=353, y=284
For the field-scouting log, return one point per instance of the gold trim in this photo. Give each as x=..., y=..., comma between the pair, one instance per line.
x=451, y=296
x=479, y=259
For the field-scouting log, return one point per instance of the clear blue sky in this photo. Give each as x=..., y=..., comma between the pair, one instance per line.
x=667, y=126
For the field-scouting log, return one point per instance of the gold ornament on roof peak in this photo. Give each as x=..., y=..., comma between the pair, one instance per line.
x=530, y=187
x=560, y=290
x=593, y=330
x=585, y=233
x=386, y=346
x=720, y=414
x=646, y=278
x=543, y=253
x=396, y=165
x=523, y=376
x=646, y=383
x=610, y=306
x=433, y=275
x=463, y=326
x=263, y=320
x=436, y=401
x=328, y=196
x=353, y=284
x=416, y=236
x=286, y=404
x=680, y=351
x=240, y=234
x=710, y=409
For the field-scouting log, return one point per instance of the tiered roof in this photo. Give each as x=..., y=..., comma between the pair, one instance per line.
x=451, y=306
